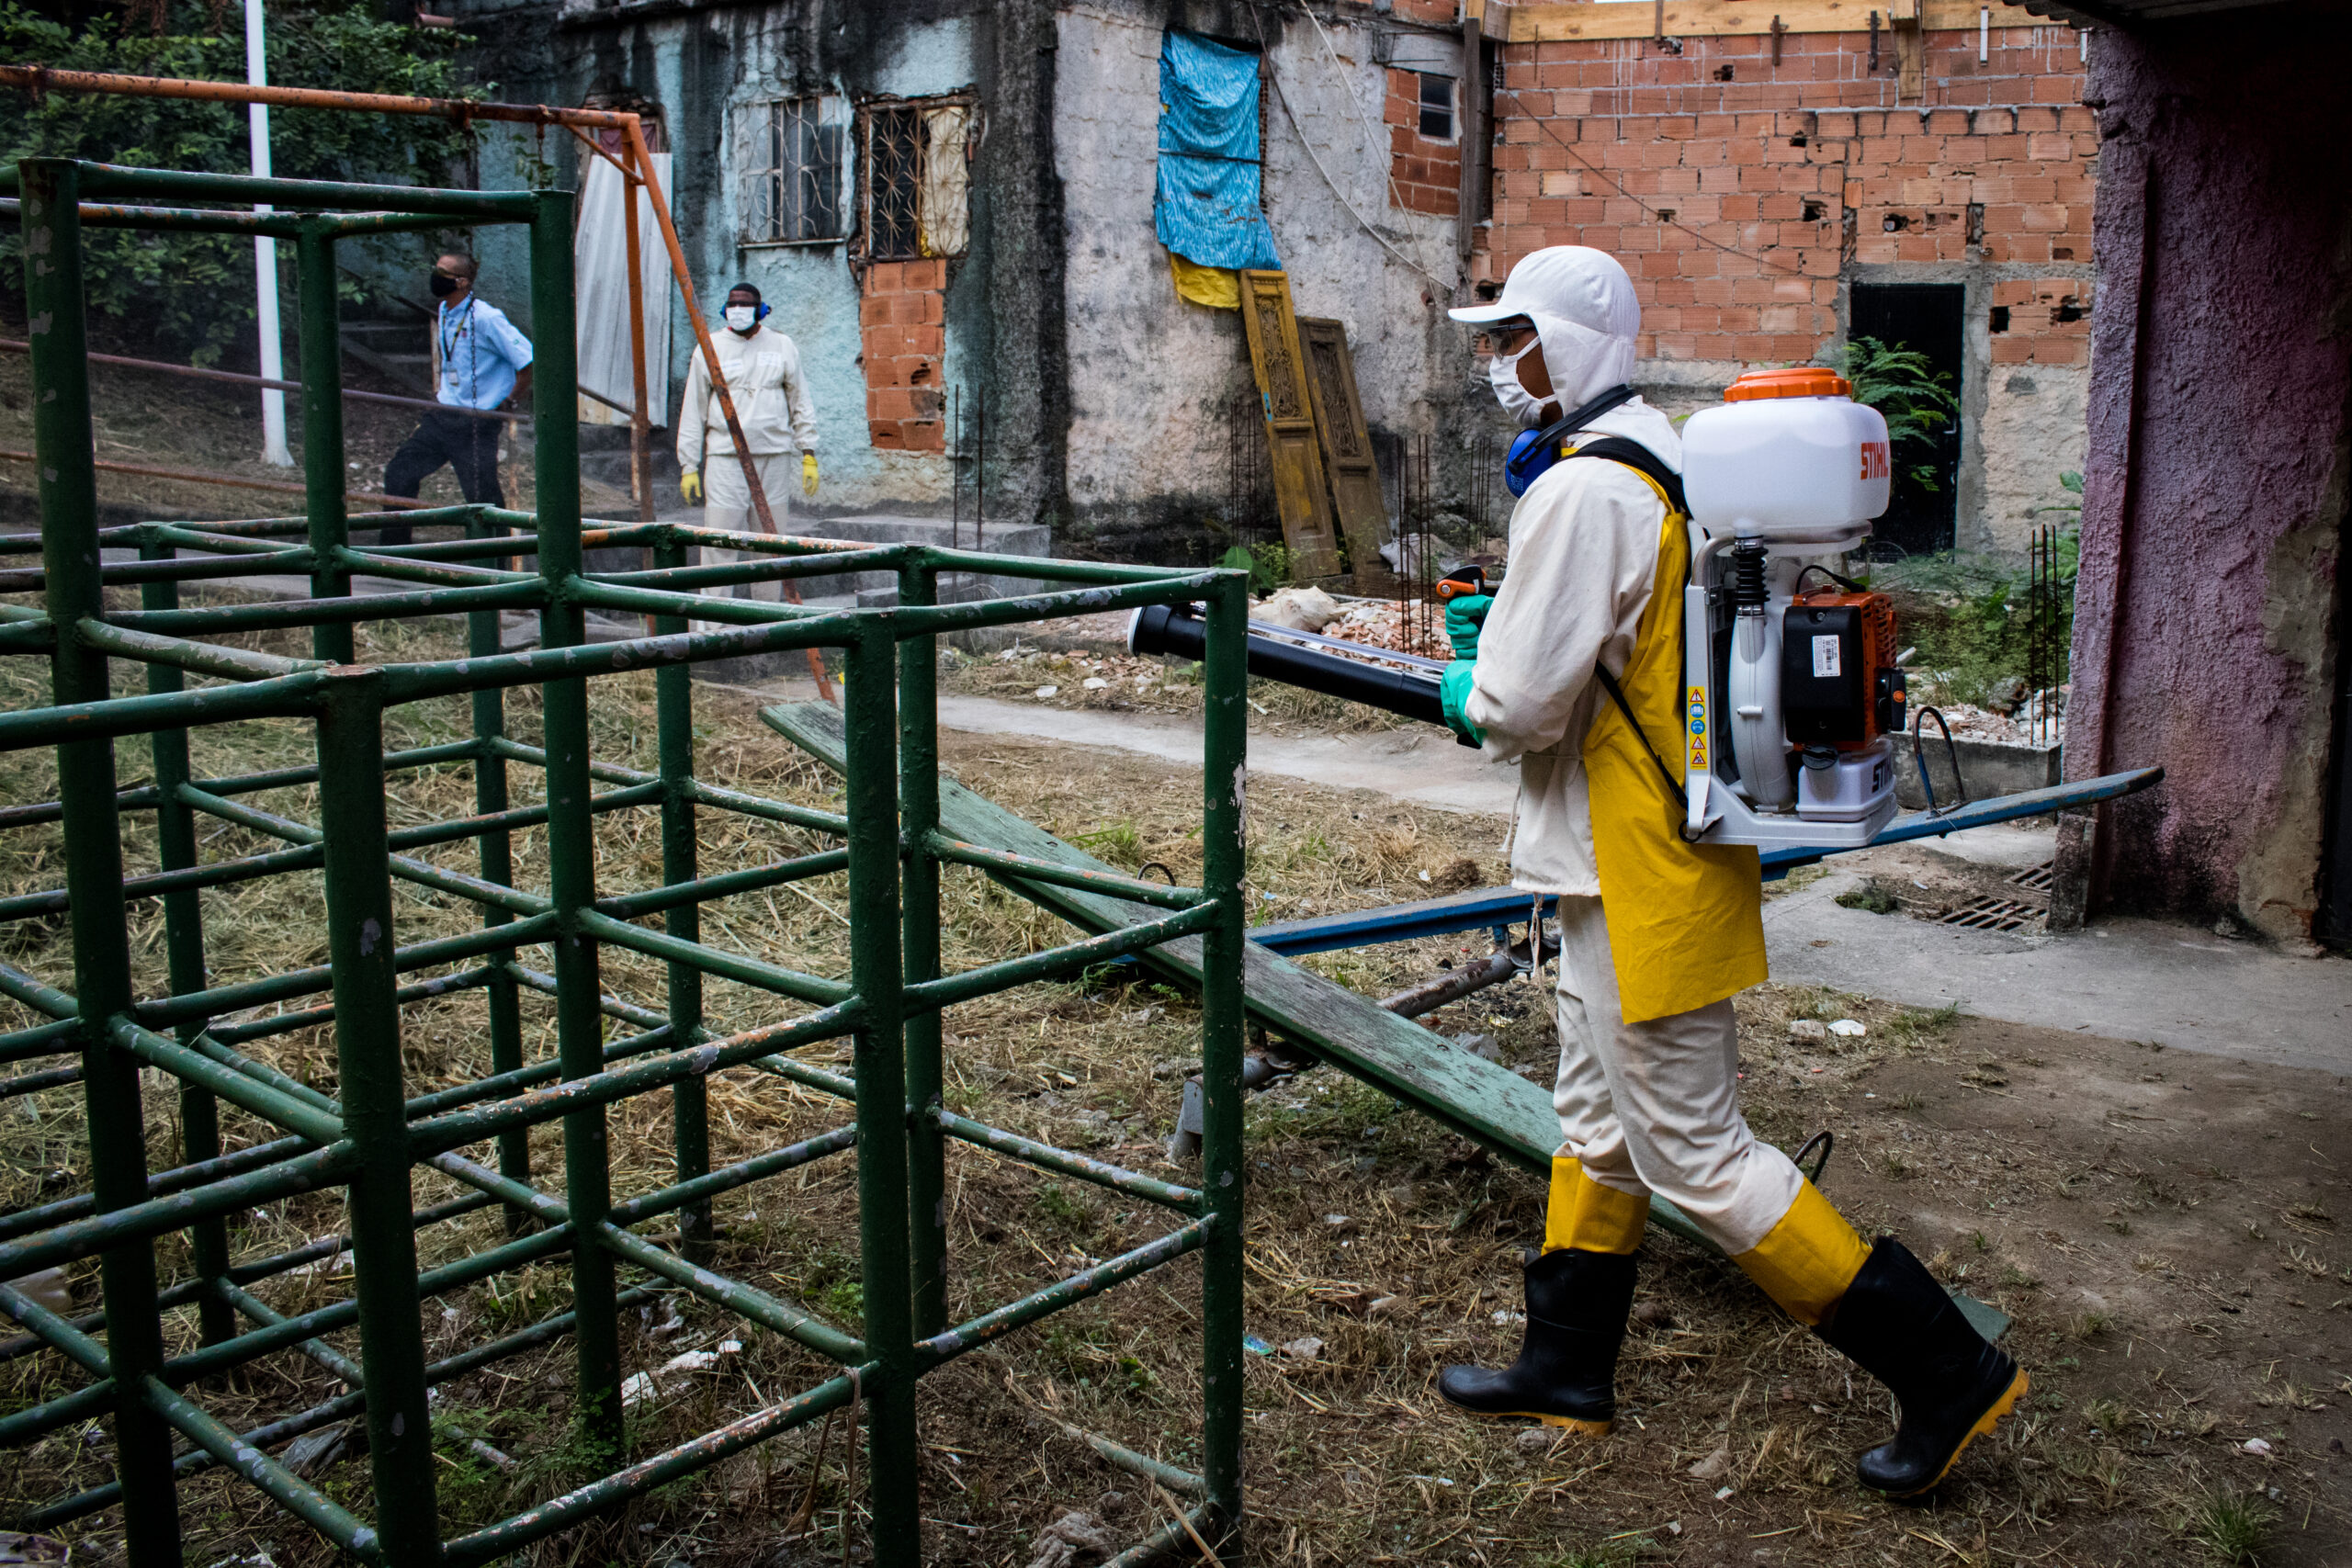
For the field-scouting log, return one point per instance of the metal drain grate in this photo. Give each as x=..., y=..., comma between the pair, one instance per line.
x=1991, y=914
x=2033, y=878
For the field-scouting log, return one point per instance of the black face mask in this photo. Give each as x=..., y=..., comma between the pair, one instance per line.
x=444, y=285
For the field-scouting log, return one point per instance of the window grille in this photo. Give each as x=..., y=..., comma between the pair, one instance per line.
x=792, y=165
x=914, y=178
x=1437, y=106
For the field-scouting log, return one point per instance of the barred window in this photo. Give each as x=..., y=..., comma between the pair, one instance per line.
x=791, y=163
x=1437, y=106
x=915, y=177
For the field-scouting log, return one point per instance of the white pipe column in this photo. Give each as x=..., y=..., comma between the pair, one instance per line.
x=273, y=401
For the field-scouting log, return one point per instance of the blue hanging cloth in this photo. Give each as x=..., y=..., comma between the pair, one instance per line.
x=1206, y=207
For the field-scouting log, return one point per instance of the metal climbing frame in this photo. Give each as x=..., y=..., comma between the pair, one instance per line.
x=370, y=1139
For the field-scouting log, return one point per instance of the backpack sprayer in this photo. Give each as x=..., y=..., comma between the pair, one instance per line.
x=1802, y=682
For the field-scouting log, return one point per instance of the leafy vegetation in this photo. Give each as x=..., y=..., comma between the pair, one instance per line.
x=1267, y=564
x=1917, y=401
x=192, y=294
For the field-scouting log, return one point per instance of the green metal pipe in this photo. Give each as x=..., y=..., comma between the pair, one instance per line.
x=1029, y=868
x=204, y=657
x=289, y=696
x=19, y=986
x=33, y=1083
x=246, y=191
x=67, y=485
x=62, y=1037
x=53, y=1330
x=710, y=960
x=26, y=1221
x=1050, y=605
x=310, y=1018
x=118, y=1226
x=767, y=1310
x=1184, y=1200
x=674, y=742
x=495, y=853
x=1184, y=584
x=686, y=893
x=1223, y=831
x=123, y=574
x=870, y=725
x=237, y=1088
x=408, y=869
x=282, y=1486
x=510, y=1535
x=165, y=884
x=919, y=936
x=554, y=663
x=705, y=793
x=989, y=1326
x=368, y=1066
x=456, y=1130
x=1069, y=958
x=321, y=338
x=613, y=1006
x=1183, y=1483
x=162, y=1010
x=702, y=1189
x=219, y=619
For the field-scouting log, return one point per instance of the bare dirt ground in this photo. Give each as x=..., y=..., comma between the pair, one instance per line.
x=2165, y=1230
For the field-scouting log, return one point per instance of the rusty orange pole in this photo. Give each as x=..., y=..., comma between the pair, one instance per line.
x=39, y=79
x=644, y=161
x=641, y=468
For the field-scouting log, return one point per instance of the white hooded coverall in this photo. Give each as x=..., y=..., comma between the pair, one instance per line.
x=1650, y=1106
x=770, y=395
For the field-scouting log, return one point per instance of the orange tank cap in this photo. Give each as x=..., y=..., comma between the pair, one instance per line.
x=1797, y=382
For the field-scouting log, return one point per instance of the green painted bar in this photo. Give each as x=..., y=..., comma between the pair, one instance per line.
x=289, y=696
x=989, y=1326
x=870, y=720
x=504, y=1537
x=710, y=960
x=1041, y=607
x=322, y=473
x=1030, y=868
x=33, y=1083
x=161, y=1011
x=67, y=485
x=1183, y=1483
x=220, y=619
x=701, y=1189
x=179, y=1179
x=762, y=1308
x=115, y=179
x=674, y=741
x=495, y=855
x=1057, y=961
x=285, y=1488
x=688, y=893
x=614, y=1007
x=234, y=1086
x=119, y=1226
x=1184, y=1200
x=1224, y=1174
x=367, y=1065
x=918, y=934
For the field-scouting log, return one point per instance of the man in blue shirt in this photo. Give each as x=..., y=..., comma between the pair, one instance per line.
x=483, y=362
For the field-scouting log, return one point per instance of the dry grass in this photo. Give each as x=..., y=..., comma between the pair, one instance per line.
x=1351, y=1459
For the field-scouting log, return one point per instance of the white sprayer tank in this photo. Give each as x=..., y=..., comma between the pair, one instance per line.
x=1788, y=457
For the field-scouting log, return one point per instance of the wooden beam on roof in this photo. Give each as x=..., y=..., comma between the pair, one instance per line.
x=1719, y=18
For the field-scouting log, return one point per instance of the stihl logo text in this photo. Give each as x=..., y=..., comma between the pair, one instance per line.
x=1874, y=459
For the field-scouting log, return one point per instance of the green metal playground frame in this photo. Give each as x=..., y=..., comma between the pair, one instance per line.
x=370, y=1138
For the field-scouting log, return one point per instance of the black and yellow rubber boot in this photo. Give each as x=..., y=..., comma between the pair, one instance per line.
x=1567, y=1371
x=1953, y=1386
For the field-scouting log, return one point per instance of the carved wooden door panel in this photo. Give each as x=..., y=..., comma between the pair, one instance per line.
x=1293, y=451
x=1347, y=449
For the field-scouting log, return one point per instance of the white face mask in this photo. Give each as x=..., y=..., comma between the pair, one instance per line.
x=1502, y=372
x=742, y=318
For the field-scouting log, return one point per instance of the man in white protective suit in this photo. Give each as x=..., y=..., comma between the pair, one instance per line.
x=1575, y=667
x=771, y=395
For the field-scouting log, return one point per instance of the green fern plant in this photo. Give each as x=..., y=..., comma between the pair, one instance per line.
x=1915, y=399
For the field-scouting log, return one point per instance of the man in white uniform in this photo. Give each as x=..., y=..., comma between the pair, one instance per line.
x=771, y=395
x=1575, y=667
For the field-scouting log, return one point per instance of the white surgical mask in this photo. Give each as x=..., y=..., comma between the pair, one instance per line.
x=1502, y=372
x=742, y=316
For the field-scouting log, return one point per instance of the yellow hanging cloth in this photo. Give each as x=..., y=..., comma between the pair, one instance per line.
x=1217, y=287
x=1686, y=921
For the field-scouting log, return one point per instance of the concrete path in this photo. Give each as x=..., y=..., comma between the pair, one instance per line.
x=2179, y=985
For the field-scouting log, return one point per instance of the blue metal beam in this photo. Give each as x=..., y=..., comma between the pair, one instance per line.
x=1507, y=906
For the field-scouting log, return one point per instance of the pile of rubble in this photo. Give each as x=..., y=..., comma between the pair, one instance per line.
x=1407, y=626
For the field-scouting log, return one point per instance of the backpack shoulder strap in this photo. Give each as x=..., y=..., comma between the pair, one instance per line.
x=1643, y=461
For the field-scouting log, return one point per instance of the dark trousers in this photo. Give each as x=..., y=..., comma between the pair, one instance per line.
x=467, y=446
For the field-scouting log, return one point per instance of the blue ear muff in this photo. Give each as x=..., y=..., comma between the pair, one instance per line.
x=1530, y=456
x=761, y=316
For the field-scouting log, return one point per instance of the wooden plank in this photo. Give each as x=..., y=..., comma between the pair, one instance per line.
x=1717, y=18
x=1475, y=1098
x=1347, y=449
x=1293, y=450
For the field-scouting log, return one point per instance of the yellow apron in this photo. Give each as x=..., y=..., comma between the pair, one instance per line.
x=1686, y=921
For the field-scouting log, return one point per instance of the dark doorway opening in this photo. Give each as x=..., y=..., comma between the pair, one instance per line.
x=1927, y=318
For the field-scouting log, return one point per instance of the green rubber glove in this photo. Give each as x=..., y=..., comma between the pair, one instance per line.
x=1464, y=617
x=1454, y=691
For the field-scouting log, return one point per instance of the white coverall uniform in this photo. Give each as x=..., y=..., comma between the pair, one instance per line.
x=770, y=397
x=1584, y=556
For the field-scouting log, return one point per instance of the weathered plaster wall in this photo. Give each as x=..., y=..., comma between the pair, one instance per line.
x=2209, y=611
x=1153, y=376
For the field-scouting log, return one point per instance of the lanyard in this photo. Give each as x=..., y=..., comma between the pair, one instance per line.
x=452, y=336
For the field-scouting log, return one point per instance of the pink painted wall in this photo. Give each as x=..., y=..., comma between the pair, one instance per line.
x=2208, y=616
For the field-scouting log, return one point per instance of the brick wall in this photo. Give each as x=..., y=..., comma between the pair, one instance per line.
x=1425, y=174
x=902, y=326
x=1738, y=192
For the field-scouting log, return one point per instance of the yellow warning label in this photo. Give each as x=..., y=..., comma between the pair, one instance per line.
x=1695, y=725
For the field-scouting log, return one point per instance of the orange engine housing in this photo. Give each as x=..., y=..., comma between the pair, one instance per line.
x=1839, y=684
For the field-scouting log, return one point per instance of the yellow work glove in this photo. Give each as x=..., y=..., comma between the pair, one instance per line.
x=808, y=473
x=690, y=486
